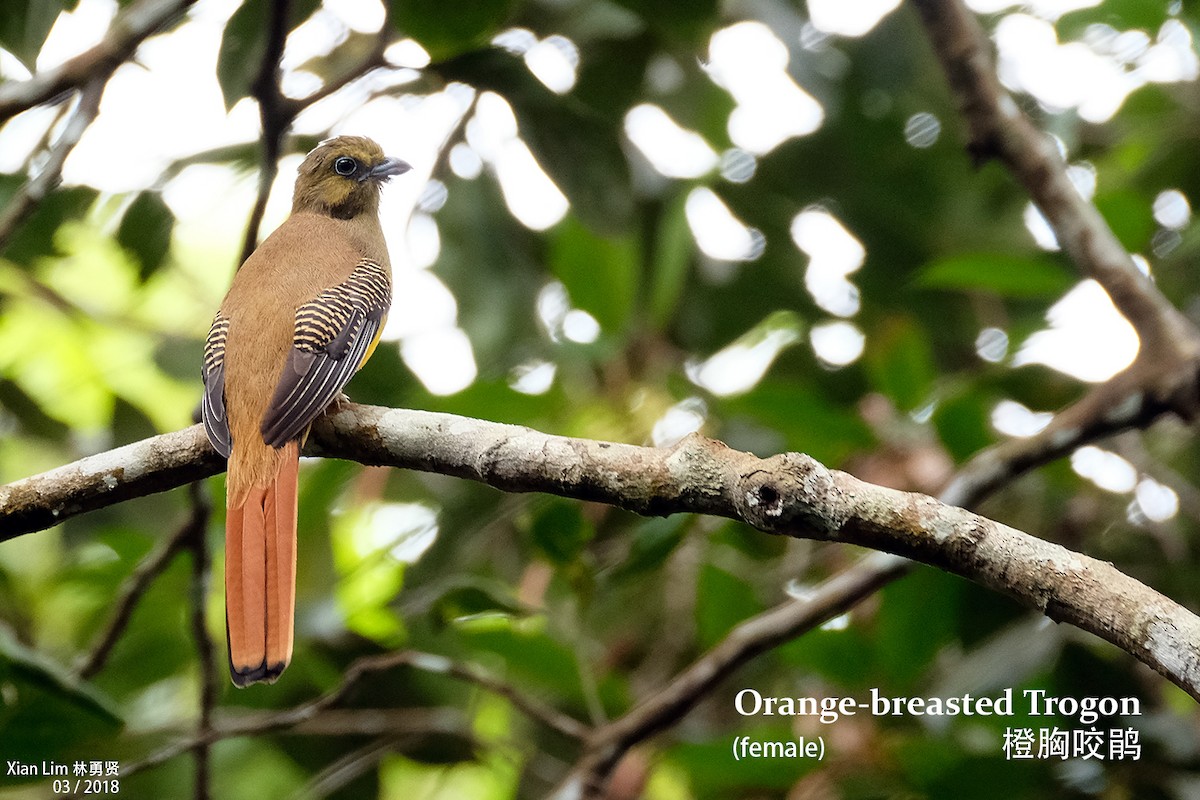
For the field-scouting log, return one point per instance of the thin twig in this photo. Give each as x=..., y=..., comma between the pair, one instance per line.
x=306, y=718
x=277, y=112
x=276, y=115
x=132, y=590
x=36, y=188
x=346, y=769
x=529, y=706
x=373, y=60
x=392, y=723
x=131, y=27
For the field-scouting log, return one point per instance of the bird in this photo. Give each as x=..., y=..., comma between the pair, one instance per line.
x=303, y=313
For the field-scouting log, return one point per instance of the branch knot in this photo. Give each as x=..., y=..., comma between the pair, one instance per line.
x=791, y=494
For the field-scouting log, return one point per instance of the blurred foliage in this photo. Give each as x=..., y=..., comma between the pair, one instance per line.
x=104, y=302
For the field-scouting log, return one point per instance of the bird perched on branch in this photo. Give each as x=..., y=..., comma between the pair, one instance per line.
x=304, y=312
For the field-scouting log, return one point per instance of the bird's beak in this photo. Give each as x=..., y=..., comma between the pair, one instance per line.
x=389, y=167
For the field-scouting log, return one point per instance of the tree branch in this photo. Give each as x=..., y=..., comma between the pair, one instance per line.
x=529, y=706
x=135, y=470
x=1166, y=373
x=277, y=111
x=349, y=767
x=128, y=30
x=747, y=641
x=789, y=494
x=978, y=478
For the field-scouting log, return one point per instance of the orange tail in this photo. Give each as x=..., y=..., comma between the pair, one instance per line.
x=260, y=576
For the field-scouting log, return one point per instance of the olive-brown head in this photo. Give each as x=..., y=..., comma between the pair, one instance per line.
x=341, y=177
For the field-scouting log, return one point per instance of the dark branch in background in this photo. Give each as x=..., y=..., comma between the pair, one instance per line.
x=788, y=494
x=321, y=716
x=1166, y=374
x=274, y=114
x=529, y=706
x=277, y=112
x=748, y=640
x=1073, y=427
x=36, y=188
x=349, y=767
x=1000, y=129
x=373, y=60
x=134, y=587
x=131, y=27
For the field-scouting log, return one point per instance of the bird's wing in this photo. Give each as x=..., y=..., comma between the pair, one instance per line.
x=333, y=336
x=212, y=406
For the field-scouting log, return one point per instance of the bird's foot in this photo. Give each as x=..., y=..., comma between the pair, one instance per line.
x=338, y=403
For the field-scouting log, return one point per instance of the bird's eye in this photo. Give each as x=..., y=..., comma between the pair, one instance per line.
x=345, y=166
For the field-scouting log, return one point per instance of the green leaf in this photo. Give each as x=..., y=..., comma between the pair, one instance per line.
x=809, y=421
x=722, y=601
x=245, y=42
x=611, y=78
x=1119, y=14
x=369, y=576
x=900, y=362
x=999, y=273
x=600, y=273
x=749, y=542
x=560, y=532
x=652, y=542
x=906, y=636
x=962, y=425
x=530, y=655
x=145, y=231
x=446, y=31
x=578, y=148
x=1130, y=217
x=35, y=236
x=46, y=712
x=465, y=600
x=690, y=21
x=24, y=25
x=28, y=412
x=842, y=655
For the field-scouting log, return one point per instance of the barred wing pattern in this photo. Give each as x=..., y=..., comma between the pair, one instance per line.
x=212, y=407
x=333, y=336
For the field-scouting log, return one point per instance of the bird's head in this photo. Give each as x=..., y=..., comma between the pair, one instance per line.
x=341, y=177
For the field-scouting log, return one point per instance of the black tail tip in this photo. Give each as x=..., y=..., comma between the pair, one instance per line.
x=261, y=673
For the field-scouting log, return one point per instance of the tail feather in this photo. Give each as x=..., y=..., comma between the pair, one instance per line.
x=260, y=576
x=281, y=562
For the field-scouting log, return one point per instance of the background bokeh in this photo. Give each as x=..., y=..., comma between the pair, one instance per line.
x=627, y=220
